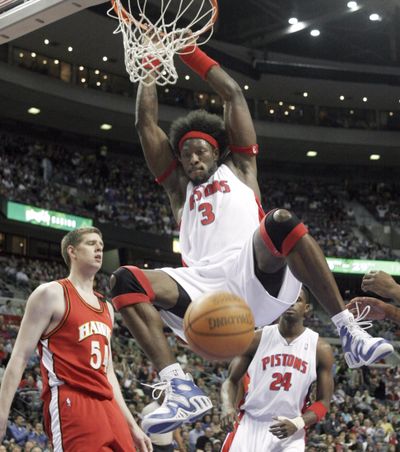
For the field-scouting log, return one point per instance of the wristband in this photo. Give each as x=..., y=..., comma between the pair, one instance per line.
x=319, y=409
x=150, y=62
x=197, y=60
x=161, y=178
x=249, y=150
x=298, y=421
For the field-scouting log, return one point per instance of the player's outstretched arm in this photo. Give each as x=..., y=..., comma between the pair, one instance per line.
x=238, y=121
x=141, y=440
x=382, y=284
x=38, y=315
x=230, y=387
x=285, y=427
x=378, y=309
x=157, y=150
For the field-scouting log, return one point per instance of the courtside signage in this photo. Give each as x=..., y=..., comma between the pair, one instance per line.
x=45, y=218
x=362, y=266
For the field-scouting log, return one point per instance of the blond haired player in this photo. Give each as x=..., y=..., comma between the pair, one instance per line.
x=281, y=364
x=83, y=406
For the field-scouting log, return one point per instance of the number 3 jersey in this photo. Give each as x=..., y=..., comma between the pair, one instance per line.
x=218, y=217
x=76, y=352
x=281, y=375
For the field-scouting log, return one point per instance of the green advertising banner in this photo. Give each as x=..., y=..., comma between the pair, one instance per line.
x=361, y=266
x=46, y=218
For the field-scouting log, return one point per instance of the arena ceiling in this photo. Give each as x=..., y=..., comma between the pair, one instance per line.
x=249, y=36
x=346, y=32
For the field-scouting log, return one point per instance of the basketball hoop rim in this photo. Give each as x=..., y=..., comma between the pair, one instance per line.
x=128, y=18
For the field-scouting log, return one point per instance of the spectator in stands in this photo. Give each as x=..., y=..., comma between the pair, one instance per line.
x=8, y=308
x=17, y=430
x=38, y=436
x=204, y=439
x=194, y=434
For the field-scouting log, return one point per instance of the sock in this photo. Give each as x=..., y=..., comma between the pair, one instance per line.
x=171, y=371
x=343, y=318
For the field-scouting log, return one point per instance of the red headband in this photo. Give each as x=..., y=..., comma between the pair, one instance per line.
x=196, y=134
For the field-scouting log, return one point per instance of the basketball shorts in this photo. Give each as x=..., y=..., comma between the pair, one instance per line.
x=237, y=275
x=254, y=436
x=75, y=421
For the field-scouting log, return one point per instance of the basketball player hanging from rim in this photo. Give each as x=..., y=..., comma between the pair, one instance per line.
x=207, y=166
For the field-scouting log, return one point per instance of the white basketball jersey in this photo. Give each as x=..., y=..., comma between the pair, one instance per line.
x=218, y=218
x=281, y=374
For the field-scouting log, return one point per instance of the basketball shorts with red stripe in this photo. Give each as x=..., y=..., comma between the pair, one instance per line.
x=76, y=421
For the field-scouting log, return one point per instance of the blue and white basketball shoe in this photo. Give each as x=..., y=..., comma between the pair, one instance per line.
x=360, y=348
x=183, y=402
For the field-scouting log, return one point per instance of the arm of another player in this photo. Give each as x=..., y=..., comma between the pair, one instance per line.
x=286, y=427
x=382, y=284
x=179, y=440
x=379, y=310
x=38, y=315
x=230, y=387
x=142, y=441
x=157, y=150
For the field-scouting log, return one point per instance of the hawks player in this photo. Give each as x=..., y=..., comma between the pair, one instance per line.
x=227, y=243
x=282, y=363
x=72, y=324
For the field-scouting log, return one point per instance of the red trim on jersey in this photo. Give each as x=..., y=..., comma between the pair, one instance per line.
x=266, y=238
x=184, y=264
x=163, y=176
x=197, y=134
x=70, y=286
x=294, y=236
x=67, y=303
x=261, y=213
x=252, y=149
x=231, y=435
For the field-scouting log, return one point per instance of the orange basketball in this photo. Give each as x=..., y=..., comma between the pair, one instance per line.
x=219, y=326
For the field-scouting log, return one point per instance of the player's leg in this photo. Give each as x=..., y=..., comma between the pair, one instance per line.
x=122, y=438
x=72, y=420
x=135, y=294
x=281, y=239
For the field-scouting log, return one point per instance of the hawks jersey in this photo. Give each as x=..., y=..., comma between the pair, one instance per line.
x=218, y=218
x=77, y=351
x=281, y=374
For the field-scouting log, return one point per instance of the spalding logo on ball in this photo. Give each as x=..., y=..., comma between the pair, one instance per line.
x=219, y=326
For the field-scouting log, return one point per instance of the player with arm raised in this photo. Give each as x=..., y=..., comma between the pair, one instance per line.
x=208, y=168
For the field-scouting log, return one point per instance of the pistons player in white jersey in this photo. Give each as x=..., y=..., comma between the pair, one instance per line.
x=83, y=405
x=282, y=363
x=208, y=168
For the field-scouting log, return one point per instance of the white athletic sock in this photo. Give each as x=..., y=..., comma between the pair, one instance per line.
x=343, y=318
x=171, y=371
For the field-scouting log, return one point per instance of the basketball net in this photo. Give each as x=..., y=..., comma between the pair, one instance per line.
x=150, y=44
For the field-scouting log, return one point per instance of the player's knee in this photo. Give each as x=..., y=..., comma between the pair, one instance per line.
x=281, y=215
x=281, y=230
x=129, y=285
